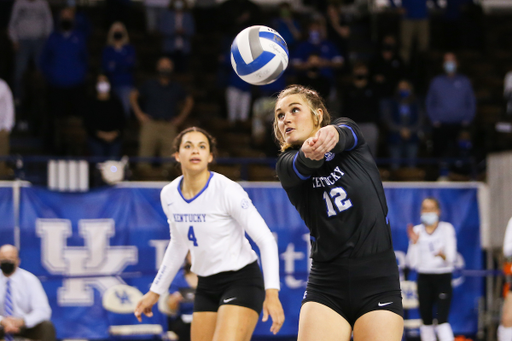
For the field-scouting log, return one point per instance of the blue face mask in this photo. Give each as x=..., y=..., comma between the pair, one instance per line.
x=450, y=67
x=429, y=218
x=404, y=93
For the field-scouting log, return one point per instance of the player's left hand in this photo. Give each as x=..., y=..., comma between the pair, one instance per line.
x=324, y=141
x=272, y=306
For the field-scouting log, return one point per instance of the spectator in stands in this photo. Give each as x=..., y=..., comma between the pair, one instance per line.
x=403, y=118
x=159, y=112
x=181, y=301
x=30, y=25
x=6, y=124
x=387, y=67
x=81, y=21
x=177, y=27
x=329, y=58
x=118, y=63
x=64, y=65
x=154, y=11
x=104, y=121
x=24, y=308
x=415, y=25
x=286, y=25
x=507, y=92
x=235, y=15
x=338, y=30
x=451, y=106
x=361, y=103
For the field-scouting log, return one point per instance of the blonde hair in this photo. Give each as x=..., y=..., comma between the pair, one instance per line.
x=314, y=102
x=114, y=27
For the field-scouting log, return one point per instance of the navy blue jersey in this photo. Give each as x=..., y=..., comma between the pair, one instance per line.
x=340, y=198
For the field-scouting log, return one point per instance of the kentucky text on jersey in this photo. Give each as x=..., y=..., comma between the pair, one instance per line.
x=189, y=218
x=323, y=181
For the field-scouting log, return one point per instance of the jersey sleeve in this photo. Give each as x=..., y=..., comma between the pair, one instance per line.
x=450, y=249
x=240, y=208
x=507, y=244
x=350, y=135
x=173, y=257
x=293, y=167
x=413, y=251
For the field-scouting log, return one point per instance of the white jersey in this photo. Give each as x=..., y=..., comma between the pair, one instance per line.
x=507, y=244
x=422, y=256
x=212, y=226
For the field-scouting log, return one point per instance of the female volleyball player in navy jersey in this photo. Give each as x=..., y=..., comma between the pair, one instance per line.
x=209, y=214
x=331, y=178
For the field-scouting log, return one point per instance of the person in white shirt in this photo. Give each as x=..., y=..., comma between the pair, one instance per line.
x=208, y=215
x=432, y=252
x=6, y=123
x=505, y=327
x=24, y=308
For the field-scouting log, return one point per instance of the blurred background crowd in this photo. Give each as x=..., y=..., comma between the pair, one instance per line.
x=427, y=81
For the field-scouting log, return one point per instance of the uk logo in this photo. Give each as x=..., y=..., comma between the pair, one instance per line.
x=329, y=156
x=94, y=265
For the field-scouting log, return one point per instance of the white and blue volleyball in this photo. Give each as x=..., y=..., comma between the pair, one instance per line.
x=259, y=55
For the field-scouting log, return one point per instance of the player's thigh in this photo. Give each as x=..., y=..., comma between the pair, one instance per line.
x=379, y=325
x=203, y=326
x=319, y=322
x=235, y=323
x=506, y=316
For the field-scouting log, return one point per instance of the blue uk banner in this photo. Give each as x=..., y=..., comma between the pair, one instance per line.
x=80, y=245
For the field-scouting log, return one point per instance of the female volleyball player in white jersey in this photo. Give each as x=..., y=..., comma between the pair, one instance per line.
x=209, y=214
x=432, y=252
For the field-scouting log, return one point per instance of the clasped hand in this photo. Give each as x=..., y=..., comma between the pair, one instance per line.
x=324, y=141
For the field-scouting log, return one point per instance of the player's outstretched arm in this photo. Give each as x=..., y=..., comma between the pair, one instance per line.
x=272, y=306
x=145, y=305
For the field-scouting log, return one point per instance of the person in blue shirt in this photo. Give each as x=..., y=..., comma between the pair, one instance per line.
x=118, y=63
x=403, y=118
x=451, y=106
x=286, y=25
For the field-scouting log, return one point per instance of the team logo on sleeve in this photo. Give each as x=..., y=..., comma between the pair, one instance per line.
x=329, y=156
x=245, y=203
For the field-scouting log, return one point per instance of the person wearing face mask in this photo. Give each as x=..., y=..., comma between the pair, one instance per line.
x=403, y=118
x=24, y=308
x=160, y=113
x=387, y=67
x=104, y=121
x=286, y=25
x=432, y=252
x=178, y=28
x=118, y=63
x=64, y=66
x=451, y=106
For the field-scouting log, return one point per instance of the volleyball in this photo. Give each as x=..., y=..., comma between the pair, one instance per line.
x=259, y=55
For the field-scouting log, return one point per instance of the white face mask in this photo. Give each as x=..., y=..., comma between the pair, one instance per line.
x=429, y=218
x=103, y=87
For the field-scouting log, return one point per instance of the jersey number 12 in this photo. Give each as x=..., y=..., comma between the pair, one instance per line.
x=192, y=235
x=339, y=196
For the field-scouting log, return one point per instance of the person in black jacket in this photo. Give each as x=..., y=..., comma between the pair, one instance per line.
x=332, y=180
x=104, y=121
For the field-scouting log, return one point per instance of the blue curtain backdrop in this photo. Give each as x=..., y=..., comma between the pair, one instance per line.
x=81, y=244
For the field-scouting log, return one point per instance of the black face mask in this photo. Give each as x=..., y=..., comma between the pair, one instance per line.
x=118, y=35
x=388, y=47
x=66, y=25
x=7, y=267
x=360, y=77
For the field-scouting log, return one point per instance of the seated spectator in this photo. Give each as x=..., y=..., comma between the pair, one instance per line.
x=64, y=65
x=329, y=58
x=118, y=63
x=104, y=122
x=30, y=25
x=159, y=112
x=361, y=103
x=154, y=11
x=507, y=92
x=6, y=124
x=403, y=119
x=338, y=30
x=177, y=27
x=24, y=308
x=387, y=67
x=181, y=301
x=451, y=106
x=286, y=25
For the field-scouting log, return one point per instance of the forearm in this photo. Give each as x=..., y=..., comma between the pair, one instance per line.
x=173, y=259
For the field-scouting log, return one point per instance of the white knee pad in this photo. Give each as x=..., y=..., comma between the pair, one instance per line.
x=504, y=333
x=444, y=332
x=427, y=333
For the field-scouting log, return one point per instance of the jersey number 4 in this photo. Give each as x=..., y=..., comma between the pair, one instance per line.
x=192, y=235
x=338, y=196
